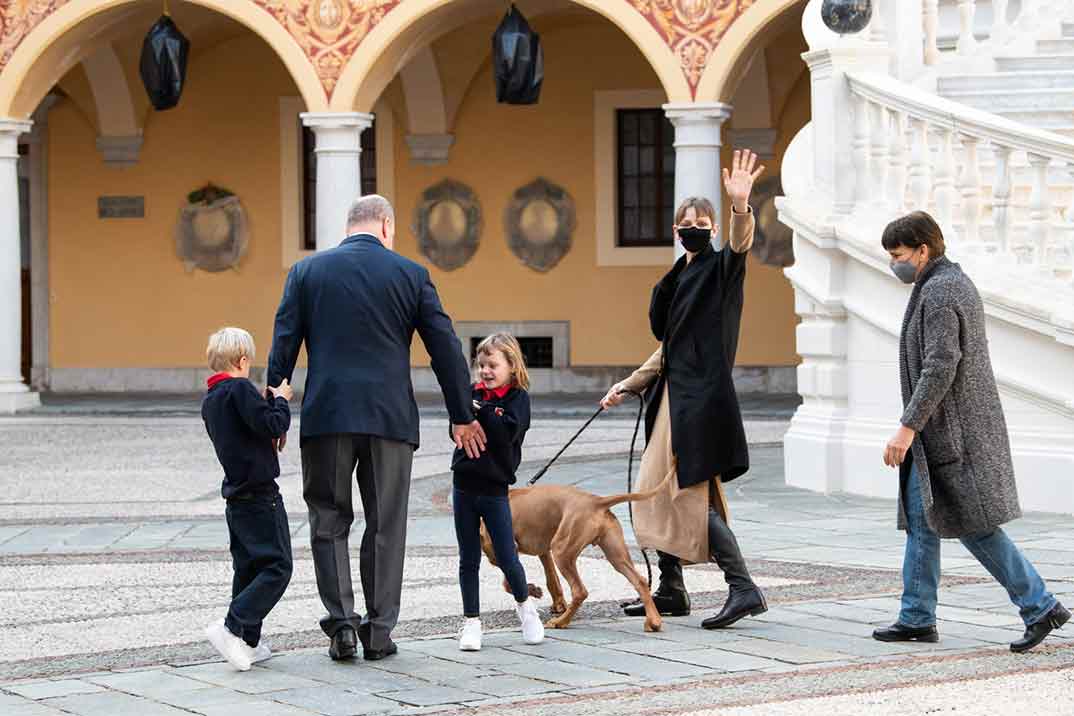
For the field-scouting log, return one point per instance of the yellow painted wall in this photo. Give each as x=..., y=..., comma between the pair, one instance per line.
x=121, y=298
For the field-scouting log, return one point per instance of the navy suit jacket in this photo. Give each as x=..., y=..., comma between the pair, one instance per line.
x=356, y=307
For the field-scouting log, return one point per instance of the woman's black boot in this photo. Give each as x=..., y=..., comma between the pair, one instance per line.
x=671, y=598
x=745, y=597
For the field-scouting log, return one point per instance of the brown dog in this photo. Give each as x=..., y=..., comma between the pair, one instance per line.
x=555, y=523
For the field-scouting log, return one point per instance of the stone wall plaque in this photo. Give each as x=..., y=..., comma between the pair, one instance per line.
x=121, y=207
x=212, y=236
x=447, y=223
x=539, y=223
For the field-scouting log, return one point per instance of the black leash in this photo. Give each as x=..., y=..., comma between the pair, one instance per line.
x=630, y=464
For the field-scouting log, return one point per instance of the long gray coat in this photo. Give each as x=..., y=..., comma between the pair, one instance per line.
x=950, y=399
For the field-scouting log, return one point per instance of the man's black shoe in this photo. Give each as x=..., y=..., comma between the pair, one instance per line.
x=344, y=644
x=898, y=632
x=1035, y=633
x=739, y=604
x=670, y=603
x=378, y=654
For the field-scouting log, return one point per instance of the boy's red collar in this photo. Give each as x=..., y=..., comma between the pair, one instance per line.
x=498, y=393
x=217, y=378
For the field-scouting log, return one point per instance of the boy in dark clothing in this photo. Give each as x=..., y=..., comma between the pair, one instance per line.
x=244, y=427
x=502, y=406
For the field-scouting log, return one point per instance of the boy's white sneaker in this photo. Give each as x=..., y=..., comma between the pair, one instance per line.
x=532, y=628
x=237, y=652
x=261, y=652
x=470, y=635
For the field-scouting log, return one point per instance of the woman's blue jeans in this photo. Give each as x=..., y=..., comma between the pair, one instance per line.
x=496, y=512
x=994, y=550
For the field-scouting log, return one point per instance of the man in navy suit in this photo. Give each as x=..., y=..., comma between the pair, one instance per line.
x=357, y=307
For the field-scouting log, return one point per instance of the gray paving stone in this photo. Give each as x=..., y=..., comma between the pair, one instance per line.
x=433, y=669
x=779, y=651
x=12, y=700
x=449, y=649
x=559, y=672
x=253, y=708
x=334, y=701
x=501, y=686
x=111, y=703
x=653, y=647
x=53, y=689
x=354, y=675
x=31, y=709
x=152, y=684
x=720, y=660
x=95, y=537
x=255, y=681
x=432, y=696
x=7, y=533
x=211, y=696
x=585, y=635
x=645, y=667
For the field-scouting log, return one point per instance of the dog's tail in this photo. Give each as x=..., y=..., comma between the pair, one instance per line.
x=613, y=500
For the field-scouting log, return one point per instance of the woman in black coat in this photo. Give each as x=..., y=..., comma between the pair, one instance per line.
x=693, y=424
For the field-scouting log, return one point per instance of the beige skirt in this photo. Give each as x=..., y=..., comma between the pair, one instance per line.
x=676, y=520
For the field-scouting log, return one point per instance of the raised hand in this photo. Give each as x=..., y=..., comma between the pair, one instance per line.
x=738, y=182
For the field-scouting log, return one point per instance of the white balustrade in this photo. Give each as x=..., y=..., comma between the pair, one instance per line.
x=1001, y=28
x=967, y=43
x=944, y=173
x=931, y=21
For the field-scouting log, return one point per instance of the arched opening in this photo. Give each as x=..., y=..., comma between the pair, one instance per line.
x=112, y=304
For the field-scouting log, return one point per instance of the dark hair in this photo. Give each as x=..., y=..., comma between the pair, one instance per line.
x=912, y=231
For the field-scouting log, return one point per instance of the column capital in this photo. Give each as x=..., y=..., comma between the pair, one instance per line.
x=15, y=126
x=715, y=112
x=10, y=131
x=337, y=120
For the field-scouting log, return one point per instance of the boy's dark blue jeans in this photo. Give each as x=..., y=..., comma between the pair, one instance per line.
x=261, y=555
x=496, y=511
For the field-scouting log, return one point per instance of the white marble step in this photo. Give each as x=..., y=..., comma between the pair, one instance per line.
x=1014, y=99
x=1056, y=47
x=1006, y=81
x=1068, y=29
x=1031, y=63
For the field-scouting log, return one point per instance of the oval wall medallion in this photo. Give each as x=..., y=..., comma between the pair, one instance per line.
x=212, y=235
x=539, y=223
x=447, y=223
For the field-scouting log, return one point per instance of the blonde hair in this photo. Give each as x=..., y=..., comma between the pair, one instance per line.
x=512, y=351
x=701, y=205
x=227, y=346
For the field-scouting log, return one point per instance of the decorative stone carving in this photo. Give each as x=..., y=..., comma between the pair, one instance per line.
x=447, y=223
x=773, y=242
x=212, y=234
x=330, y=31
x=539, y=223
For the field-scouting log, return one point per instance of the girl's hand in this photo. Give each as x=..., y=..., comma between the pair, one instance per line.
x=896, y=449
x=738, y=182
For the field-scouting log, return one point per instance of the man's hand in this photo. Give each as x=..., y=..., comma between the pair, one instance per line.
x=470, y=438
x=615, y=397
x=279, y=442
x=283, y=390
x=738, y=182
x=897, y=447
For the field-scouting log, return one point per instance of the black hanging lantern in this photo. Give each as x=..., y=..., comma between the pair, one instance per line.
x=163, y=63
x=846, y=17
x=518, y=60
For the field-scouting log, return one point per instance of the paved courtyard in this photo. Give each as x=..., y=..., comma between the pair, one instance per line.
x=113, y=557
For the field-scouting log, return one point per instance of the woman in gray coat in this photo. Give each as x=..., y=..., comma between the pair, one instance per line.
x=956, y=476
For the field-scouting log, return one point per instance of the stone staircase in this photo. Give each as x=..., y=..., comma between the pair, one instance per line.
x=1035, y=89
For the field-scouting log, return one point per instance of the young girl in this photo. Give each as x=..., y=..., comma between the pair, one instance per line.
x=502, y=406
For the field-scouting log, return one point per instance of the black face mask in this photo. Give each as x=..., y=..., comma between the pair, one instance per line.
x=694, y=239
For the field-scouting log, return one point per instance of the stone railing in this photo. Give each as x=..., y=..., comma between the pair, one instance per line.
x=915, y=150
x=1033, y=17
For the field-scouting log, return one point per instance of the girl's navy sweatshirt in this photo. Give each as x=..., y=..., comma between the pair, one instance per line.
x=505, y=420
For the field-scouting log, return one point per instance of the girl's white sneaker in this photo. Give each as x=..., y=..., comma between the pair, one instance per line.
x=470, y=635
x=532, y=628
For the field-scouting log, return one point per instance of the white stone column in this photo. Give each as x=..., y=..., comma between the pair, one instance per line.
x=14, y=393
x=339, y=150
x=697, y=152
